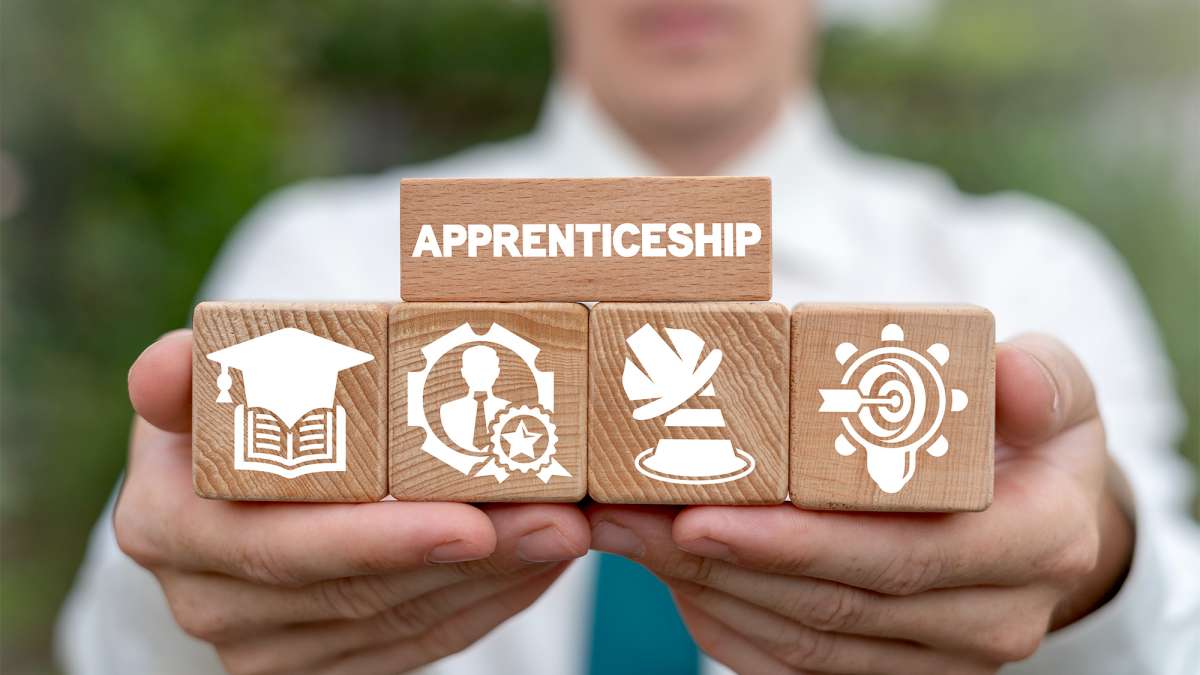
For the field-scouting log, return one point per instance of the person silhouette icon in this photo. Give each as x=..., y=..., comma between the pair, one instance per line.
x=465, y=419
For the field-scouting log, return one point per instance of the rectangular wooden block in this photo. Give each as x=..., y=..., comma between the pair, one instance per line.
x=489, y=401
x=688, y=403
x=893, y=407
x=289, y=401
x=575, y=239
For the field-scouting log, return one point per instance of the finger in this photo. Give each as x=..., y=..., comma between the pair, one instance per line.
x=732, y=649
x=296, y=647
x=216, y=607
x=988, y=623
x=806, y=649
x=219, y=609
x=1040, y=536
x=297, y=544
x=160, y=382
x=162, y=523
x=532, y=533
x=1041, y=390
x=448, y=637
x=994, y=622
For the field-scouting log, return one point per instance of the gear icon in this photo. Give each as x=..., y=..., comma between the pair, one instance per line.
x=893, y=401
x=498, y=435
x=527, y=352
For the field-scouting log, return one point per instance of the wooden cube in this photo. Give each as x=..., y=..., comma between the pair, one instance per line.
x=688, y=403
x=552, y=239
x=289, y=401
x=488, y=401
x=893, y=407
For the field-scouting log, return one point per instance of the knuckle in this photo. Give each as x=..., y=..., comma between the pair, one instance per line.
x=133, y=537
x=407, y=619
x=352, y=597
x=258, y=563
x=808, y=649
x=912, y=572
x=1013, y=641
x=199, y=619
x=842, y=610
x=238, y=660
x=1079, y=557
x=694, y=568
x=443, y=640
x=491, y=566
x=1075, y=548
x=709, y=640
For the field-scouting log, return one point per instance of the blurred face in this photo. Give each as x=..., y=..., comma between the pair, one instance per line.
x=683, y=65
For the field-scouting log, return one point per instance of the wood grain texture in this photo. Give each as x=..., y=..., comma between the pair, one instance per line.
x=361, y=390
x=559, y=330
x=750, y=387
x=609, y=200
x=961, y=479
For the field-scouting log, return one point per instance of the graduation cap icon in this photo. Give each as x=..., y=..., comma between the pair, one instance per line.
x=288, y=418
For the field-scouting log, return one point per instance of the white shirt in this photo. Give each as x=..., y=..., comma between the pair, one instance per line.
x=847, y=227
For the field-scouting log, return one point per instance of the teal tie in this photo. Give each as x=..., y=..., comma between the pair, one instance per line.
x=635, y=627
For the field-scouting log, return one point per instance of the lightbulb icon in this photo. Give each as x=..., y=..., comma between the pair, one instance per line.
x=893, y=401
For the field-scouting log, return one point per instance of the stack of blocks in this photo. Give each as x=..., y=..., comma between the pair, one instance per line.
x=491, y=382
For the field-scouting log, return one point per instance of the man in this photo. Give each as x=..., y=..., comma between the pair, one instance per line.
x=465, y=419
x=1084, y=562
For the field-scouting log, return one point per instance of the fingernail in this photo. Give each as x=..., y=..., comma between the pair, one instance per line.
x=545, y=545
x=1049, y=380
x=453, y=552
x=707, y=548
x=613, y=538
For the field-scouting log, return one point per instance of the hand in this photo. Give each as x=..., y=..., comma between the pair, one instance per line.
x=775, y=589
x=321, y=588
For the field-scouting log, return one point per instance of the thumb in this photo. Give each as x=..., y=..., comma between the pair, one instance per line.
x=1041, y=390
x=160, y=382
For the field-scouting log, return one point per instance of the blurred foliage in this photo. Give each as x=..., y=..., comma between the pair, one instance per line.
x=135, y=135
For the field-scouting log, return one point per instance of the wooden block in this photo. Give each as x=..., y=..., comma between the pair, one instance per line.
x=289, y=401
x=688, y=403
x=489, y=401
x=574, y=239
x=893, y=407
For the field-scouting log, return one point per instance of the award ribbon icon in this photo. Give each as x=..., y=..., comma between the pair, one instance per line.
x=508, y=426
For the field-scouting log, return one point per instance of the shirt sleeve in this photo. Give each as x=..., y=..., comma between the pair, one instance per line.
x=1152, y=625
x=116, y=619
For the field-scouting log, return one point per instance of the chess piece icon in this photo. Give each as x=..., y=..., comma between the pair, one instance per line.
x=486, y=435
x=289, y=424
x=893, y=401
x=669, y=376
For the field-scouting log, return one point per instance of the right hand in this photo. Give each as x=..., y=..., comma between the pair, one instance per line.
x=321, y=588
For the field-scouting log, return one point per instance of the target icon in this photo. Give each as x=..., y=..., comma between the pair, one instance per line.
x=893, y=401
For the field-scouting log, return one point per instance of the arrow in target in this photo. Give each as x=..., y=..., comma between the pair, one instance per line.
x=850, y=400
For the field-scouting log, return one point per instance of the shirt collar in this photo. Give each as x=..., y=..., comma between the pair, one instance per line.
x=584, y=140
x=800, y=152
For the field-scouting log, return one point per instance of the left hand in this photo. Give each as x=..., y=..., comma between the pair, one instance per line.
x=779, y=589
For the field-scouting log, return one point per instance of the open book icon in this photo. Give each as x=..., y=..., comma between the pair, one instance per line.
x=289, y=424
x=262, y=440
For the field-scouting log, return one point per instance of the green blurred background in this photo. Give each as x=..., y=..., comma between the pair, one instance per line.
x=135, y=135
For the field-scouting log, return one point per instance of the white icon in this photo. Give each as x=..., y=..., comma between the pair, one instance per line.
x=670, y=375
x=290, y=424
x=893, y=407
x=462, y=418
x=485, y=428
